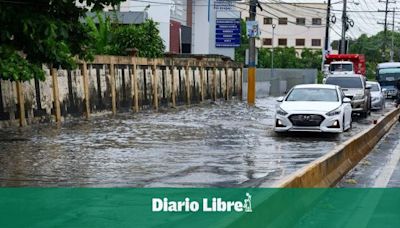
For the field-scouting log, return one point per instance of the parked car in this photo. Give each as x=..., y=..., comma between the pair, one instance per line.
x=377, y=96
x=354, y=87
x=314, y=108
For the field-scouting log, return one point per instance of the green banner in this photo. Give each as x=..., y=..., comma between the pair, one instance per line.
x=199, y=207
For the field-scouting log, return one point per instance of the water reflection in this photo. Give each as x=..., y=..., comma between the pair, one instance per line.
x=220, y=144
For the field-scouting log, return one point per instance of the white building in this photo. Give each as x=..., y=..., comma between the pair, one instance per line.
x=189, y=26
x=298, y=25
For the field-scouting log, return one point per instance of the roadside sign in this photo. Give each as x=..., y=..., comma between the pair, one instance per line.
x=252, y=29
x=227, y=32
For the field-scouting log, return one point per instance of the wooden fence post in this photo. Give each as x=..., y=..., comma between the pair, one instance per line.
x=57, y=108
x=201, y=68
x=227, y=83
x=155, y=85
x=187, y=83
x=21, y=103
x=214, y=82
x=172, y=75
x=112, y=82
x=134, y=86
x=86, y=89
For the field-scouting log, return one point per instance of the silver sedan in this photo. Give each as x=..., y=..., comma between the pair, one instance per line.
x=377, y=96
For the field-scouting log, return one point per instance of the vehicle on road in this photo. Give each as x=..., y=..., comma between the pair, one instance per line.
x=313, y=108
x=377, y=96
x=354, y=87
x=350, y=63
x=387, y=74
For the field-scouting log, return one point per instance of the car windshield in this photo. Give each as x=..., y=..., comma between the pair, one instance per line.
x=345, y=82
x=313, y=94
x=341, y=67
x=374, y=87
x=389, y=75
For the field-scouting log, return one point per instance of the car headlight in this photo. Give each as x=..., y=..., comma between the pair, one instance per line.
x=281, y=112
x=375, y=98
x=358, y=97
x=334, y=112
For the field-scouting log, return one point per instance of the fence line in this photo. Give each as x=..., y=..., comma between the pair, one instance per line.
x=119, y=83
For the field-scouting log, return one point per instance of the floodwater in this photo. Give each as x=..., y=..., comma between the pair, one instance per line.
x=223, y=144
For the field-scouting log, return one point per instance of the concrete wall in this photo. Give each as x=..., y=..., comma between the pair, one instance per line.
x=191, y=81
x=282, y=81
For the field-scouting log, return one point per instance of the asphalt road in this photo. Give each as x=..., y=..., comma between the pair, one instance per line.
x=223, y=144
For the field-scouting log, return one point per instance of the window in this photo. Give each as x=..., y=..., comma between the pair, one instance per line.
x=282, y=21
x=300, y=42
x=316, y=21
x=267, y=20
x=313, y=94
x=300, y=21
x=345, y=82
x=282, y=42
x=316, y=42
x=267, y=41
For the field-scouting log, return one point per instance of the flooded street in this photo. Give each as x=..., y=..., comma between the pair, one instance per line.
x=225, y=144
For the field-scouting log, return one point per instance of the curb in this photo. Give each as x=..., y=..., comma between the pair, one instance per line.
x=327, y=170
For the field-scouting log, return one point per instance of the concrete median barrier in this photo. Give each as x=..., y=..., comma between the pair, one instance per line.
x=329, y=169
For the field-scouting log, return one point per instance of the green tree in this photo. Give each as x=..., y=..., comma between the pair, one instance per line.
x=101, y=34
x=43, y=31
x=371, y=46
x=240, y=52
x=145, y=37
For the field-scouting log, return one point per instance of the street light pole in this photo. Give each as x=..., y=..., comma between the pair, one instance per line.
x=272, y=51
x=344, y=26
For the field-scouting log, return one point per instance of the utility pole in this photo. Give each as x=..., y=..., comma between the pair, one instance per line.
x=392, y=48
x=251, y=79
x=328, y=19
x=385, y=28
x=327, y=24
x=385, y=32
x=272, y=50
x=344, y=28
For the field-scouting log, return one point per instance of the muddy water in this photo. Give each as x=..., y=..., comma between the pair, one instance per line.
x=220, y=144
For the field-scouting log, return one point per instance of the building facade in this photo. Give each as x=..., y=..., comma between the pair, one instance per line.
x=298, y=25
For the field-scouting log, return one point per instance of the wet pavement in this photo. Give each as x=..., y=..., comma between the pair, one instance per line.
x=223, y=144
x=380, y=168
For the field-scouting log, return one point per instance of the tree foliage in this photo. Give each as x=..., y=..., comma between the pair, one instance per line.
x=240, y=52
x=288, y=57
x=43, y=31
x=144, y=37
x=371, y=48
x=109, y=37
x=100, y=33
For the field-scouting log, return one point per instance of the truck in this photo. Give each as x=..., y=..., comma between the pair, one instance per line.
x=388, y=74
x=345, y=63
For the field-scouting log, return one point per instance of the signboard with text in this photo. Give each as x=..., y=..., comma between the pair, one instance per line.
x=227, y=32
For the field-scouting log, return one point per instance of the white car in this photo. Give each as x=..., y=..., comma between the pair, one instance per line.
x=377, y=96
x=314, y=108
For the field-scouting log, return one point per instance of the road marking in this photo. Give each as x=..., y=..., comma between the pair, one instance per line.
x=383, y=179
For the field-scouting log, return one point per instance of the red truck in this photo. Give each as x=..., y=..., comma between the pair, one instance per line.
x=339, y=63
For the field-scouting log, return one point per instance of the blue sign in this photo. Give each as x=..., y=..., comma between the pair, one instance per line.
x=227, y=33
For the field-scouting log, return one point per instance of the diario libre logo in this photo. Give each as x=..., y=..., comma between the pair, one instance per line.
x=206, y=205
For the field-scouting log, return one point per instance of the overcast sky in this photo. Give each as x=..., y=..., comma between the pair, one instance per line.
x=364, y=22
